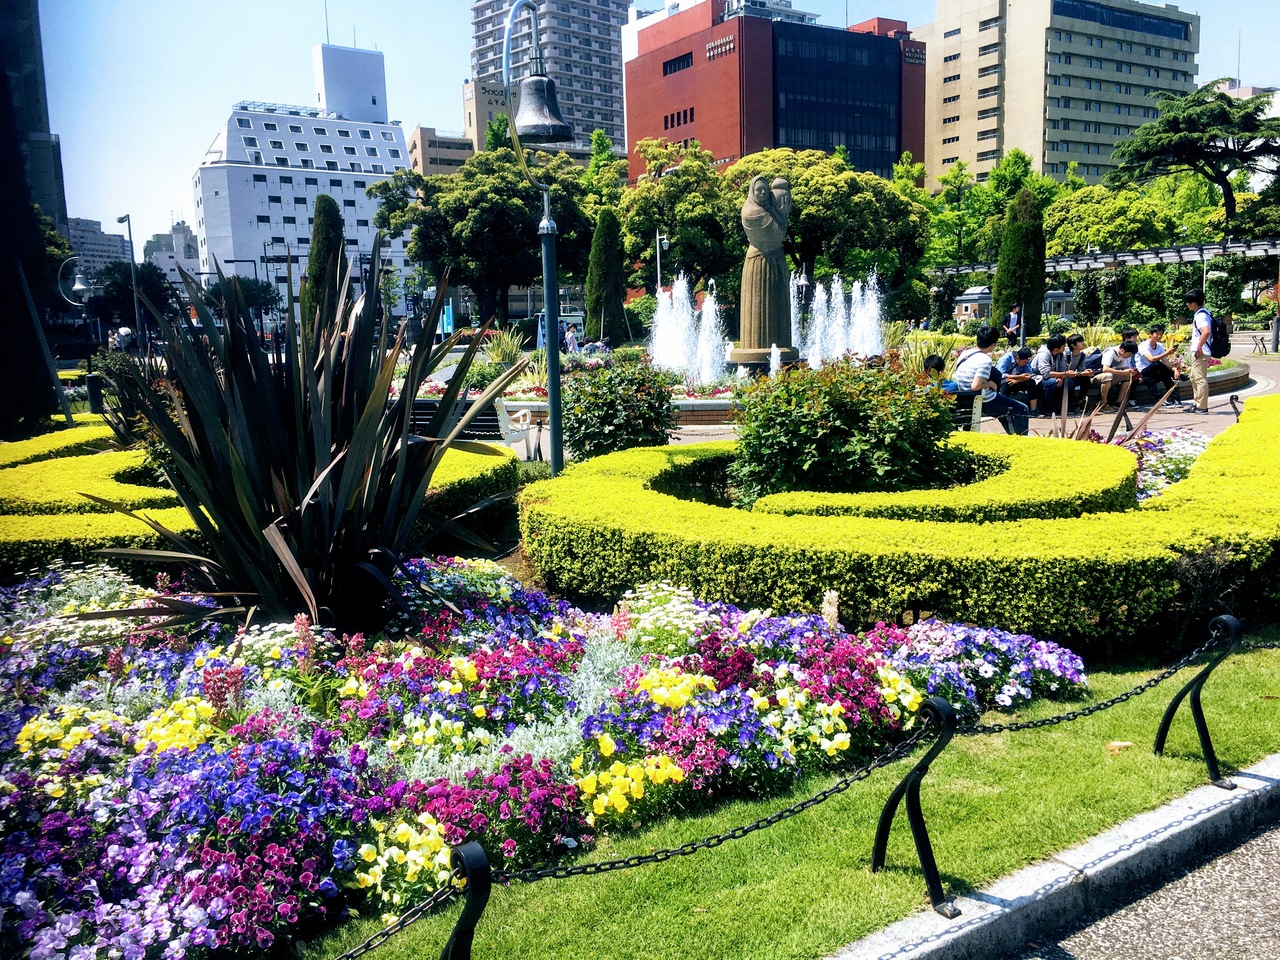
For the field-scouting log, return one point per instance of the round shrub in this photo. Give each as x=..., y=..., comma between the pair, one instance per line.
x=847, y=428
x=615, y=409
x=481, y=373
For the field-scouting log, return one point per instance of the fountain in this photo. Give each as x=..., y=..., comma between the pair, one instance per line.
x=685, y=340
x=838, y=324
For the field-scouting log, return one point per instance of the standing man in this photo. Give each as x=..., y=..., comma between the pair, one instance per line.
x=973, y=372
x=1199, y=345
x=1013, y=323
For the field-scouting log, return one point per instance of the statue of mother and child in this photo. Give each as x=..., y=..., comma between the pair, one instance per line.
x=765, y=304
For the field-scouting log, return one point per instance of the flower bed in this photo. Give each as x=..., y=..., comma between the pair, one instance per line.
x=1165, y=457
x=174, y=793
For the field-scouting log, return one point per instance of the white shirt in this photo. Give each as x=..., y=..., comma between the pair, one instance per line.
x=1113, y=359
x=1148, y=354
x=973, y=365
x=1201, y=322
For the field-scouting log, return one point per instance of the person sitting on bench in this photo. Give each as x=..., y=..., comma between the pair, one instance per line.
x=1016, y=377
x=1154, y=362
x=935, y=369
x=973, y=372
x=1116, y=370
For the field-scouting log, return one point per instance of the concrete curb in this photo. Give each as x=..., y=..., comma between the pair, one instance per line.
x=1088, y=878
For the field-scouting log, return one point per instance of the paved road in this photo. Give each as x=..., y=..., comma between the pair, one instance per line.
x=1225, y=909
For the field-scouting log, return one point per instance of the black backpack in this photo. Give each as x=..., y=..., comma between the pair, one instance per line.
x=1219, y=339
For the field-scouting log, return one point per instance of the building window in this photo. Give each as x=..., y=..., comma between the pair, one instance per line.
x=311, y=182
x=388, y=135
x=951, y=99
x=987, y=134
x=320, y=131
x=362, y=223
x=947, y=120
x=949, y=160
x=990, y=48
x=989, y=70
x=326, y=148
x=331, y=164
x=259, y=178
x=268, y=125
x=994, y=24
x=276, y=144
x=376, y=167
x=951, y=79
x=988, y=92
x=349, y=203
x=302, y=146
x=300, y=201
x=358, y=184
x=344, y=133
x=393, y=153
x=244, y=123
x=666, y=122
x=370, y=151
x=676, y=64
x=349, y=151
x=294, y=128
x=263, y=218
x=307, y=164
x=250, y=141
x=353, y=243
x=951, y=58
x=991, y=112
x=289, y=221
x=282, y=161
x=952, y=33
x=355, y=167
x=988, y=155
x=271, y=198
x=366, y=135
x=946, y=140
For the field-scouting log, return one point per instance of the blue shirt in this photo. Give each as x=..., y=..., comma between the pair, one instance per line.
x=1009, y=364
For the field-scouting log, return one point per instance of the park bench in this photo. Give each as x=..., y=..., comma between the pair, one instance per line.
x=493, y=423
x=967, y=412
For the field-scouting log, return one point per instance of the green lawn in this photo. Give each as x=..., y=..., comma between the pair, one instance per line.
x=803, y=888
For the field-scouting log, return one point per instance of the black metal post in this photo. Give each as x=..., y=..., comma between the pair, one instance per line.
x=470, y=861
x=939, y=712
x=1219, y=627
x=551, y=310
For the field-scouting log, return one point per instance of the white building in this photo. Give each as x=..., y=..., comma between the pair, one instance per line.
x=255, y=189
x=94, y=248
x=179, y=248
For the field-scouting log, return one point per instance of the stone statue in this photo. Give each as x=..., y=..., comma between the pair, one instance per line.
x=765, y=304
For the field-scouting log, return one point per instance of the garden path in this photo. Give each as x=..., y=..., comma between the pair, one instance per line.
x=1222, y=908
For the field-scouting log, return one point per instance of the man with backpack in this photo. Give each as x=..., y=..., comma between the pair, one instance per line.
x=1209, y=338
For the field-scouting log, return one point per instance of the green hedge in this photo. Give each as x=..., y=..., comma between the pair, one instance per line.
x=602, y=527
x=28, y=541
x=1025, y=477
x=82, y=438
x=54, y=486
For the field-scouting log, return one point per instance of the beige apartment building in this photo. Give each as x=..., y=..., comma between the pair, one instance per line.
x=438, y=151
x=1061, y=80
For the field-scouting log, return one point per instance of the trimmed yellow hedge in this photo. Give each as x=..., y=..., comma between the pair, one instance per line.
x=601, y=528
x=1026, y=477
x=67, y=442
x=32, y=540
x=54, y=486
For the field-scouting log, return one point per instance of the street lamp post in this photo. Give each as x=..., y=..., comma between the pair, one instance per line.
x=540, y=122
x=133, y=271
x=660, y=242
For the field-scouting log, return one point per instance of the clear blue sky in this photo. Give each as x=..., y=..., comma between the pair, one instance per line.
x=139, y=88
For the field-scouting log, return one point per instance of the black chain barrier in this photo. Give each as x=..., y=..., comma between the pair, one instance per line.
x=474, y=877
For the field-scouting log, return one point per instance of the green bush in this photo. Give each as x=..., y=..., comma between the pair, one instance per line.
x=83, y=437
x=949, y=326
x=481, y=373
x=54, y=486
x=846, y=427
x=1020, y=477
x=640, y=313
x=608, y=524
x=625, y=355
x=971, y=327
x=616, y=409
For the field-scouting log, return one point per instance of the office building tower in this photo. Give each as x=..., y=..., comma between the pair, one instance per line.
x=255, y=189
x=23, y=60
x=95, y=248
x=582, y=43
x=1061, y=80
x=740, y=76
x=438, y=151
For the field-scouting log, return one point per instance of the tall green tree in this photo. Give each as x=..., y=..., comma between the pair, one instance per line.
x=606, y=285
x=606, y=174
x=681, y=195
x=1106, y=219
x=1020, y=270
x=116, y=301
x=497, y=134
x=1208, y=133
x=326, y=257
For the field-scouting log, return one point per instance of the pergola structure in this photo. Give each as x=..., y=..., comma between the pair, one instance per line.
x=1198, y=253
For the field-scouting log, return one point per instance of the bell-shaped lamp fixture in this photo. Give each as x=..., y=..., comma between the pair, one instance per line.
x=538, y=119
x=81, y=287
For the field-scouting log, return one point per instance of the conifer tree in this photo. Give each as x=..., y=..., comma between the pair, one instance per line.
x=1020, y=270
x=605, y=281
x=327, y=253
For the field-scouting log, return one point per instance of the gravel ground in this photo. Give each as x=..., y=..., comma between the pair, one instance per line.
x=1223, y=908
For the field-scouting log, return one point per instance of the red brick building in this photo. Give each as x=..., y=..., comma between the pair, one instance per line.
x=739, y=83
